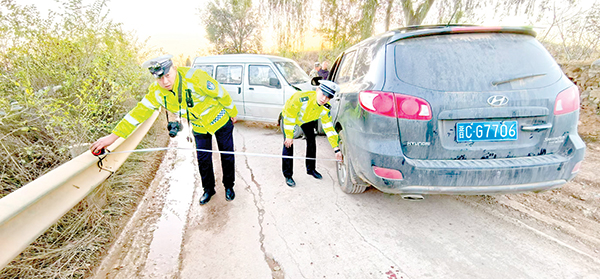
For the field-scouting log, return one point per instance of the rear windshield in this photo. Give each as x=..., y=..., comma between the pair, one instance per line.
x=475, y=62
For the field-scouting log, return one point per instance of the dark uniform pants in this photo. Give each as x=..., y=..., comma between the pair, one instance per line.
x=224, y=138
x=311, y=150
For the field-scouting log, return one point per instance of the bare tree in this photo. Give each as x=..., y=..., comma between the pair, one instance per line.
x=409, y=15
x=289, y=19
x=574, y=33
x=339, y=21
x=412, y=16
x=232, y=26
x=346, y=22
x=367, y=21
x=388, y=14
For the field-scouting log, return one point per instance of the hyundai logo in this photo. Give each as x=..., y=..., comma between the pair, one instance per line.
x=497, y=100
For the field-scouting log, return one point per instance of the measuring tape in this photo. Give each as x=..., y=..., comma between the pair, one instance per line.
x=108, y=152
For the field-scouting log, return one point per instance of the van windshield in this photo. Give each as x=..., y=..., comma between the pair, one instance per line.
x=475, y=62
x=292, y=72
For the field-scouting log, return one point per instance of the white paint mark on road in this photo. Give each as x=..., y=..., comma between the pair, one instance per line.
x=163, y=258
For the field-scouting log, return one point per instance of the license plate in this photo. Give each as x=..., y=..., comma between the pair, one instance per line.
x=486, y=131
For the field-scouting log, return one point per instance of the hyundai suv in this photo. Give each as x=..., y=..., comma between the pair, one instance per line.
x=454, y=110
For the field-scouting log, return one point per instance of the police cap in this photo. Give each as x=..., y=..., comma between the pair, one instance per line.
x=329, y=88
x=159, y=66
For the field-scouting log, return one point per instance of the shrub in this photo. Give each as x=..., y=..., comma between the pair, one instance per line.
x=65, y=80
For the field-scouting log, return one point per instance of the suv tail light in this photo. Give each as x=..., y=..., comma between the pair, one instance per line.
x=377, y=102
x=567, y=101
x=395, y=105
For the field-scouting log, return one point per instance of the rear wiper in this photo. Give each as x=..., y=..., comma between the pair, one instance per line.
x=494, y=83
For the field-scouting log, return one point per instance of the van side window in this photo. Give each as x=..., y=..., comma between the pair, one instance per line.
x=260, y=75
x=363, y=63
x=207, y=68
x=230, y=74
x=346, y=68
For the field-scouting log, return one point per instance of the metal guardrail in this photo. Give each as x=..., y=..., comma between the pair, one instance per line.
x=30, y=210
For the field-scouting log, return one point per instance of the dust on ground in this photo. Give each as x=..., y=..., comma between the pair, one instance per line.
x=127, y=255
x=264, y=125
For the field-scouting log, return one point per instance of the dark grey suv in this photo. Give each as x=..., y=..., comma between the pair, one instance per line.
x=455, y=110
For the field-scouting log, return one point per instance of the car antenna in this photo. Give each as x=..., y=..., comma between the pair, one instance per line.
x=452, y=17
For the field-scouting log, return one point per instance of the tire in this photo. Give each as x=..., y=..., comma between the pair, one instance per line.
x=349, y=182
x=297, y=130
x=320, y=128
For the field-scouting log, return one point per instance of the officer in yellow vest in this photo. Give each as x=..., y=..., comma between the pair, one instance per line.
x=304, y=109
x=193, y=94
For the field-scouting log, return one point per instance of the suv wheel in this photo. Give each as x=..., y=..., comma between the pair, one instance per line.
x=347, y=179
x=297, y=130
x=320, y=128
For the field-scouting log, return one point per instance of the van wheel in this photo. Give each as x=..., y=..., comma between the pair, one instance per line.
x=349, y=182
x=297, y=130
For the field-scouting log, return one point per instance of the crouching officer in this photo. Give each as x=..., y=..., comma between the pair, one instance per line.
x=206, y=104
x=304, y=109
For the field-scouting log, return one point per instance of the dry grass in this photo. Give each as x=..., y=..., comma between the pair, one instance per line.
x=73, y=246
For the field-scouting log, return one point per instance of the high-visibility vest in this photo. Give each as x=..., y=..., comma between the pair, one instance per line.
x=301, y=108
x=212, y=105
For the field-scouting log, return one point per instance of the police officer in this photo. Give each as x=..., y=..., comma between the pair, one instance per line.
x=211, y=112
x=304, y=109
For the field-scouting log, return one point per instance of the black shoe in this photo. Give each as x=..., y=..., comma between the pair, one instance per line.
x=206, y=197
x=315, y=174
x=229, y=194
x=290, y=182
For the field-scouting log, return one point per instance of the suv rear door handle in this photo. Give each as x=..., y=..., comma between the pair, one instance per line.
x=536, y=128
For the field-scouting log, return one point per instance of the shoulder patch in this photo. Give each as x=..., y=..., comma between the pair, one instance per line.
x=327, y=105
x=304, y=99
x=210, y=85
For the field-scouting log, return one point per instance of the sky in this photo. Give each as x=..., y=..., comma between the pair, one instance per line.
x=185, y=35
x=148, y=20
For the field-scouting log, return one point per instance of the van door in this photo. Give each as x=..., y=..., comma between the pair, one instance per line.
x=335, y=102
x=230, y=77
x=263, y=93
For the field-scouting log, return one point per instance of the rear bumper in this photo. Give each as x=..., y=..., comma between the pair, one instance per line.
x=489, y=176
x=476, y=190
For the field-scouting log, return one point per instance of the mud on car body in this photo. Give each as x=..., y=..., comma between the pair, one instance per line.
x=455, y=110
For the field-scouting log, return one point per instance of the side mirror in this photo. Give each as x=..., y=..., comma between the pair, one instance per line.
x=315, y=81
x=274, y=82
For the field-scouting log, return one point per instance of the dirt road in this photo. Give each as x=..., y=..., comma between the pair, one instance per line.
x=316, y=231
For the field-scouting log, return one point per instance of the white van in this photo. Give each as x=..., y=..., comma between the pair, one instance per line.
x=258, y=84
